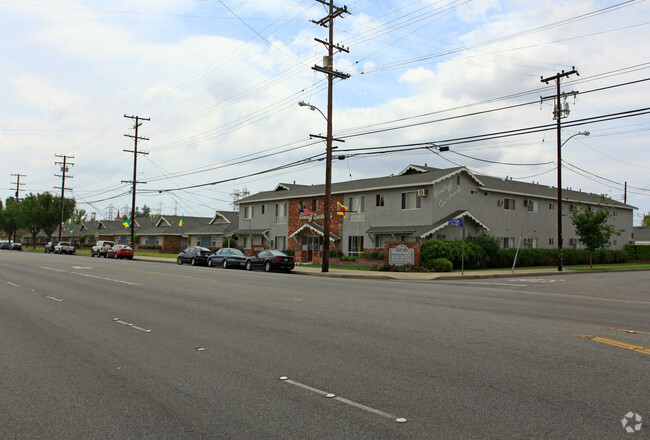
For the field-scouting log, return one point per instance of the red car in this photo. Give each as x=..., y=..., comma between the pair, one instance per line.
x=120, y=251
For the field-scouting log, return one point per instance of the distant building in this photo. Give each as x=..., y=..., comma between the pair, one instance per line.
x=416, y=205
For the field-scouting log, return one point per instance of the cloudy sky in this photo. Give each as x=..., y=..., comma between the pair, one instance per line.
x=220, y=82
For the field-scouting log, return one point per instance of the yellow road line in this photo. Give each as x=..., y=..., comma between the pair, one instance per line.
x=629, y=331
x=616, y=343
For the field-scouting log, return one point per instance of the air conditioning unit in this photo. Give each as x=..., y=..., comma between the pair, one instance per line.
x=423, y=192
x=500, y=202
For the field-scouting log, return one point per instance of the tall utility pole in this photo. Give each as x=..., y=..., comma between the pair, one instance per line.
x=18, y=184
x=558, y=114
x=328, y=69
x=64, y=172
x=135, y=167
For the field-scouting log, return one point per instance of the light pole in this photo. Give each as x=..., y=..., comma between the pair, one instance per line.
x=328, y=188
x=559, y=196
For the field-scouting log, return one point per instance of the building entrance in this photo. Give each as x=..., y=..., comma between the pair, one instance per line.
x=309, y=244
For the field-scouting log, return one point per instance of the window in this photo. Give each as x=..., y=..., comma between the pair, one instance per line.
x=356, y=209
x=410, y=200
x=509, y=204
x=281, y=243
x=551, y=206
x=380, y=200
x=355, y=245
x=247, y=241
x=248, y=211
x=508, y=242
x=205, y=241
x=314, y=206
x=614, y=213
x=151, y=239
x=263, y=209
x=458, y=179
x=281, y=213
x=379, y=241
x=532, y=205
x=441, y=236
x=530, y=243
x=573, y=243
x=302, y=204
x=551, y=242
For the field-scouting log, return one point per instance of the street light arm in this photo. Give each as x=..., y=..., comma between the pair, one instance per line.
x=312, y=108
x=582, y=133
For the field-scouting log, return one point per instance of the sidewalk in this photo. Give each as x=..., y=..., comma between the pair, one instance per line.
x=407, y=276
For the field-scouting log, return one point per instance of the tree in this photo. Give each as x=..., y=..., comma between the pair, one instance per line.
x=79, y=216
x=31, y=215
x=10, y=220
x=646, y=220
x=592, y=228
x=48, y=213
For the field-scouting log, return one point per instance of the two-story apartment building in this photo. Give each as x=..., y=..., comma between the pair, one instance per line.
x=415, y=205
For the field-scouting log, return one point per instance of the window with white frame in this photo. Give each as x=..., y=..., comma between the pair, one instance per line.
x=573, y=243
x=248, y=211
x=509, y=204
x=410, y=200
x=379, y=200
x=314, y=206
x=530, y=243
x=356, y=208
x=379, y=241
x=508, y=242
x=247, y=241
x=281, y=243
x=355, y=245
x=281, y=213
x=551, y=206
x=441, y=236
x=533, y=206
x=551, y=241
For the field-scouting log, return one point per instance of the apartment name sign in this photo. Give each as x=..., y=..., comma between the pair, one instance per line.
x=445, y=193
x=401, y=255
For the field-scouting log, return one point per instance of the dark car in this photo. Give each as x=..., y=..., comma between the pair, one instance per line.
x=49, y=247
x=120, y=251
x=227, y=257
x=194, y=255
x=271, y=260
x=5, y=245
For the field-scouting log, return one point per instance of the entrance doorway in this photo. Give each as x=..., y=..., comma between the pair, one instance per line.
x=309, y=244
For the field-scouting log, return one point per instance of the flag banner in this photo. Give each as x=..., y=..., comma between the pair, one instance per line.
x=341, y=209
x=72, y=229
x=127, y=222
x=304, y=211
x=180, y=223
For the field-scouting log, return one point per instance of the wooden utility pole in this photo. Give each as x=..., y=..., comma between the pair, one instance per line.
x=18, y=184
x=559, y=113
x=328, y=69
x=64, y=171
x=135, y=167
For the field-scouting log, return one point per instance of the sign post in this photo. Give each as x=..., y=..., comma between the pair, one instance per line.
x=458, y=222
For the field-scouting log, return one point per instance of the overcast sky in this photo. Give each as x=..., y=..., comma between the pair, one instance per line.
x=220, y=82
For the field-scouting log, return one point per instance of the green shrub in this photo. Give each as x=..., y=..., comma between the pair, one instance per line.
x=229, y=242
x=491, y=246
x=289, y=252
x=440, y=265
x=348, y=258
x=638, y=251
x=336, y=254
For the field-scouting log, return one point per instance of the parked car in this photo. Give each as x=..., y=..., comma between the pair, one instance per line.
x=101, y=248
x=120, y=251
x=271, y=260
x=194, y=255
x=64, y=247
x=5, y=245
x=227, y=257
x=49, y=247
x=16, y=246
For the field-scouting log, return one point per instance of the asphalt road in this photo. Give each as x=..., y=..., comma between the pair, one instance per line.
x=98, y=349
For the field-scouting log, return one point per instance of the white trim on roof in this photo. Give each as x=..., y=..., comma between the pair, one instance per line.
x=446, y=222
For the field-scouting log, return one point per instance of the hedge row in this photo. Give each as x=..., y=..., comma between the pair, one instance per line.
x=638, y=251
x=485, y=252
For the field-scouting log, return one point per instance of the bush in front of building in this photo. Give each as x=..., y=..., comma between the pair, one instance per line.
x=638, y=251
x=229, y=242
x=440, y=265
x=336, y=254
x=452, y=250
x=372, y=255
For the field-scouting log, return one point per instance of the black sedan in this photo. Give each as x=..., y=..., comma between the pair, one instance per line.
x=194, y=255
x=271, y=260
x=227, y=257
